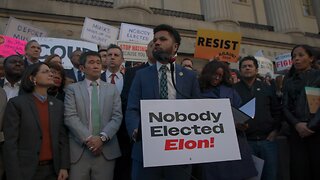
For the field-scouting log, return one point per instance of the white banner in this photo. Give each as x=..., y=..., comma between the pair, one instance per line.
x=99, y=33
x=23, y=31
x=187, y=131
x=133, y=51
x=283, y=62
x=265, y=66
x=134, y=33
x=63, y=47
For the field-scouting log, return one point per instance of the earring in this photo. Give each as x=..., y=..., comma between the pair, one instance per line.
x=34, y=83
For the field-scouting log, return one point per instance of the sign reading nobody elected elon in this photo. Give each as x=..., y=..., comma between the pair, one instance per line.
x=187, y=132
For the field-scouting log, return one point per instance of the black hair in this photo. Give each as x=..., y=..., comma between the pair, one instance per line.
x=27, y=85
x=172, y=31
x=309, y=50
x=186, y=59
x=209, y=70
x=84, y=55
x=249, y=58
x=9, y=57
x=101, y=50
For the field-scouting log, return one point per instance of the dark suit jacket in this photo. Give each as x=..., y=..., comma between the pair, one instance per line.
x=1, y=82
x=23, y=136
x=70, y=74
x=146, y=86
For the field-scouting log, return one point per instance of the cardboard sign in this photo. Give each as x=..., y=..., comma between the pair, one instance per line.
x=187, y=131
x=11, y=46
x=99, y=33
x=265, y=66
x=63, y=47
x=217, y=44
x=283, y=62
x=133, y=51
x=313, y=98
x=134, y=33
x=23, y=31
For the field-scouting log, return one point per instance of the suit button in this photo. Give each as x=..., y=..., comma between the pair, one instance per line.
x=38, y=153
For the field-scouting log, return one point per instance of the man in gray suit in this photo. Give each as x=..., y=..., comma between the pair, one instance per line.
x=93, y=125
x=3, y=102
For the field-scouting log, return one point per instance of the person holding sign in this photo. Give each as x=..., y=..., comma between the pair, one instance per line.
x=265, y=125
x=215, y=83
x=156, y=82
x=304, y=139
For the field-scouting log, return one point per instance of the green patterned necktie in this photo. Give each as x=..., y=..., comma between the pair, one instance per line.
x=95, y=111
x=163, y=82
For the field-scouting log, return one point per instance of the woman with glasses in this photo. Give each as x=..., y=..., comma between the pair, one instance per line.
x=36, y=144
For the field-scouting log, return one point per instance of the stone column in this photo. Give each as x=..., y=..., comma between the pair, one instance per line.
x=140, y=5
x=218, y=11
x=281, y=15
x=316, y=7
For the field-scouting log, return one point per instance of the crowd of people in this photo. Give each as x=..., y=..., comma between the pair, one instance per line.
x=85, y=122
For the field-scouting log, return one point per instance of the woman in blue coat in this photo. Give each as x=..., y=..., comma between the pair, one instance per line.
x=215, y=83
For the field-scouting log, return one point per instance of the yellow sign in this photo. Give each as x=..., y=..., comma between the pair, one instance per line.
x=217, y=44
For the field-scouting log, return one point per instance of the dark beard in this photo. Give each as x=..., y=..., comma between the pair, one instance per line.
x=161, y=56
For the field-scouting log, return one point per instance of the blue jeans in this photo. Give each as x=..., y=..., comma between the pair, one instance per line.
x=268, y=151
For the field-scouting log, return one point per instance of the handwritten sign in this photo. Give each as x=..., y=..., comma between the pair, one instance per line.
x=99, y=33
x=134, y=51
x=134, y=33
x=10, y=46
x=23, y=31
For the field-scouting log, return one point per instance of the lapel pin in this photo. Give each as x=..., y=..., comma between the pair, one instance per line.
x=258, y=89
x=51, y=103
x=180, y=73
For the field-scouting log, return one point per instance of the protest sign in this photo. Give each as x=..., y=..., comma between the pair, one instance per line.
x=133, y=51
x=23, y=31
x=99, y=33
x=265, y=66
x=217, y=44
x=283, y=62
x=63, y=47
x=10, y=46
x=187, y=131
x=134, y=33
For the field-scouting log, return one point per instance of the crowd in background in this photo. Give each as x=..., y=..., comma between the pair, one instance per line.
x=84, y=122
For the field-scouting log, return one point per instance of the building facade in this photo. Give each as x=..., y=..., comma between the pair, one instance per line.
x=273, y=26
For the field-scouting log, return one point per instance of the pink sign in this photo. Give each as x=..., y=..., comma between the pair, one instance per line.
x=10, y=46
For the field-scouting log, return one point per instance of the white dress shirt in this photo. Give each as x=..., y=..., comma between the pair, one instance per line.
x=118, y=79
x=11, y=91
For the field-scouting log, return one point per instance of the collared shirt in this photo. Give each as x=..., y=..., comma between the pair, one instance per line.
x=89, y=88
x=11, y=91
x=75, y=71
x=40, y=97
x=118, y=79
x=30, y=62
x=171, y=90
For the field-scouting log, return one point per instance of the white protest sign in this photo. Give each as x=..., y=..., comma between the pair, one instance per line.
x=187, y=131
x=133, y=51
x=62, y=47
x=283, y=62
x=99, y=33
x=134, y=33
x=23, y=31
x=265, y=66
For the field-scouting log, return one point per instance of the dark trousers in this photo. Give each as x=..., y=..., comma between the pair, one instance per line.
x=45, y=172
x=179, y=172
x=304, y=157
